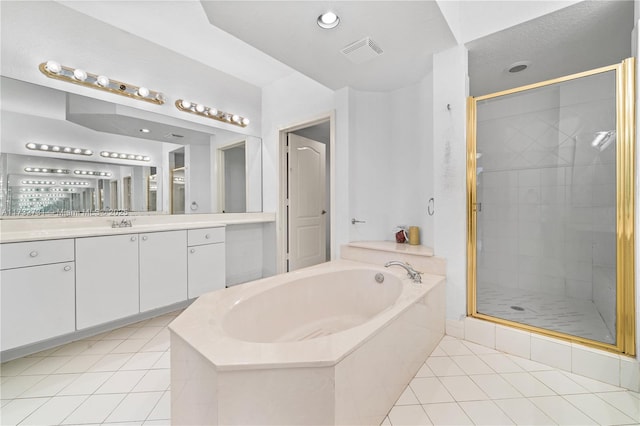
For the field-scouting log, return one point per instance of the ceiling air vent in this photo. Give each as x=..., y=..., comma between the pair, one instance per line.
x=173, y=135
x=362, y=50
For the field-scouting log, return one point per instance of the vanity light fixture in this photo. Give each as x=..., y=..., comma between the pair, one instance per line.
x=328, y=20
x=47, y=190
x=92, y=173
x=213, y=113
x=121, y=156
x=67, y=183
x=46, y=170
x=57, y=148
x=53, y=69
x=39, y=182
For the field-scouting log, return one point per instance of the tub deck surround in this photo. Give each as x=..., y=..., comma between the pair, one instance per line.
x=422, y=258
x=230, y=349
x=49, y=228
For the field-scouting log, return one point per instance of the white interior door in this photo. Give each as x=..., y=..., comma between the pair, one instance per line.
x=307, y=202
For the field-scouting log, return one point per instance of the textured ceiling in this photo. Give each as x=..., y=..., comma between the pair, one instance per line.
x=408, y=32
x=581, y=37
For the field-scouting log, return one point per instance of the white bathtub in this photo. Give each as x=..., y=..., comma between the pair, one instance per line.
x=324, y=345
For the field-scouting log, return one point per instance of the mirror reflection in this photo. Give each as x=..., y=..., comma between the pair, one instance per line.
x=65, y=154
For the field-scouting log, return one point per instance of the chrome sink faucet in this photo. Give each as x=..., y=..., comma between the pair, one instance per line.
x=412, y=273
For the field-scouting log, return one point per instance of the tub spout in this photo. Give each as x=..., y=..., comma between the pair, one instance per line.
x=412, y=273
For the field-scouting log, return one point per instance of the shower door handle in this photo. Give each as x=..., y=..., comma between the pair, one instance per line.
x=477, y=207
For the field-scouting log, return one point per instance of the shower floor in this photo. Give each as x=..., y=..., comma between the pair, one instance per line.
x=570, y=316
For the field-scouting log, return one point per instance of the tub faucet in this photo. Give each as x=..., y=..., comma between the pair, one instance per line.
x=412, y=273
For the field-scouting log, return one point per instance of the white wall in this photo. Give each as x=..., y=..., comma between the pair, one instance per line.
x=450, y=87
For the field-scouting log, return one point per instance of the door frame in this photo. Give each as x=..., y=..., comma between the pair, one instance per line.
x=282, y=222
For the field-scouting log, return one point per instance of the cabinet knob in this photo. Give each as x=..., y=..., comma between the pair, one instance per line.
x=207, y=236
x=144, y=238
x=67, y=268
x=192, y=250
x=133, y=238
x=33, y=253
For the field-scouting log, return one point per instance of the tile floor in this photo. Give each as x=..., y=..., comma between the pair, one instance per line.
x=122, y=377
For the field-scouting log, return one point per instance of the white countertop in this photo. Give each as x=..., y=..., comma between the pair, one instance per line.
x=392, y=246
x=19, y=230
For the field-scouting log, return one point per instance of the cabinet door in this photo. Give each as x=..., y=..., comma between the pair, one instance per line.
x=206, y=269
x=163, y=269
x=37, y=303
x=106, y=279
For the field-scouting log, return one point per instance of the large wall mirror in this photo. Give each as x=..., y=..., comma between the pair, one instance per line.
x=62, y=154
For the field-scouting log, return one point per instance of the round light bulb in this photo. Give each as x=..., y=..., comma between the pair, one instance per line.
x=53, y=67
x=59, y=171
x=200, y=108
x=114, y=155
x=145, y=158
x=88, y=152
x=131, y=157
x=77, y=151
x=102, y=81
x=185, y=104
x=213, y=111
x=104, y=153
x=123, y=156
x=160, y=97
x=67, y=149
x=79, y=74
x=44, y=147
x=235, y=118
x=31, y=146
x=139, y=157
x=55, y=148
x=328, y=20
x=143, y=91
x=246, y=121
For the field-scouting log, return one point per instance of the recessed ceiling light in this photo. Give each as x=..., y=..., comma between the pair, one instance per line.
x=145, y=130
x=328, y=20
x=518, y=66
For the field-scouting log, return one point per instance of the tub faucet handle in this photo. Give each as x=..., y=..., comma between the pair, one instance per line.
x=415, y=276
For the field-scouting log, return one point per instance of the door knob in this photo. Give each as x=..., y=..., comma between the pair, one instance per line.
x=324, y=212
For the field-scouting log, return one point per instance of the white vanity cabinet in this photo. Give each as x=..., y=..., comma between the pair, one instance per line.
x=206, y=260
x=106, y=279
x=37, y=294
x=163, y=269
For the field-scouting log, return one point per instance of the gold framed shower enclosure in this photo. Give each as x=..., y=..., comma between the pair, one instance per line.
x=625, y=209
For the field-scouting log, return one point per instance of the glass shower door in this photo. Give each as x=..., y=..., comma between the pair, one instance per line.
x=544, y=207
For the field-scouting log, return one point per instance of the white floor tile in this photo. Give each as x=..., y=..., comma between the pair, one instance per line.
x=386, y=422
x=110, y=362
x=561, y=411
x=121, y=382
x=430, y=390
x=471, y=364
x=101, y=347
x=94, y=409
x=17, y=366
x=156, y=380
x=164, y=361
x=130, y=346
x=142, y=361
x=438, y=352
x=529, y=365
x=86, y=384
x=120, y=333
x=146, y=333
x=527, y=385
x=159, y=343
x=599, y=410
x=79, y=364
x=485, y=413
x=462, y=388
x=523, y=412
x=71, y=349
x=454, y=347
x=444, y=366
x=13, y=387
x=495, y=386
x=592, y=385
x=50, y=385
x=55, y=410
x=162, y=410
x=408, y=415
x=157, y=423
x=558, y=382
x=447, y=414
x=500, y=363
x=425, y=371
x=479, y=349
x=627, y=402
x=135, y=406
x=47, y=365
x=15, y=411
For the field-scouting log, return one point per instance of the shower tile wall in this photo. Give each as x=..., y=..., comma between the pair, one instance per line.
x=547, y=220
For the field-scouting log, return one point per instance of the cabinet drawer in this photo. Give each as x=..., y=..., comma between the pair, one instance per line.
x=17, y=255
x=197, y=237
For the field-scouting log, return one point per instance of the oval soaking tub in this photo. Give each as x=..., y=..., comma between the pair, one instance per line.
x=323, y=345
